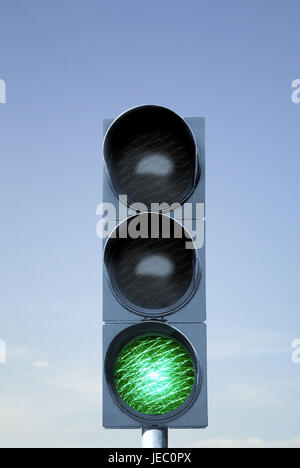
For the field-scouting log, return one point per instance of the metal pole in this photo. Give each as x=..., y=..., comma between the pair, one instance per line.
x=154, y=437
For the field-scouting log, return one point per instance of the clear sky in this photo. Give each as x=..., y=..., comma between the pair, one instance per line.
x=68, y=64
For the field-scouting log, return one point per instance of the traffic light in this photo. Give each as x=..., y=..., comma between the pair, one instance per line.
x=154, y=308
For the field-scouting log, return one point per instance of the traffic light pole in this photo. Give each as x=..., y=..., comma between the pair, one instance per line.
x=155, y=437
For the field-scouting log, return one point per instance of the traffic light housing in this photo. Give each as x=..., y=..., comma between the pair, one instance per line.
x=154, y=307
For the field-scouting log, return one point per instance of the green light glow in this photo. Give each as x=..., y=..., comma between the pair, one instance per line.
x=154, y=374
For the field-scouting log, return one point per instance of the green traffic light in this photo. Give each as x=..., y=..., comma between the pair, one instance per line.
x=154, y=374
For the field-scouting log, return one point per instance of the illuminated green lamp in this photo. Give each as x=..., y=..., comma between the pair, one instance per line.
x=154, y=374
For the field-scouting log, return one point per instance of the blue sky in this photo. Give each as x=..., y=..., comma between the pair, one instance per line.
x=68, y=64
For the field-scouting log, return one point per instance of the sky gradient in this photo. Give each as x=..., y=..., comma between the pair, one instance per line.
x=69, y=64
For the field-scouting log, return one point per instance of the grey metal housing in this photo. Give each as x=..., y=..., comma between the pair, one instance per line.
x=188, y=319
